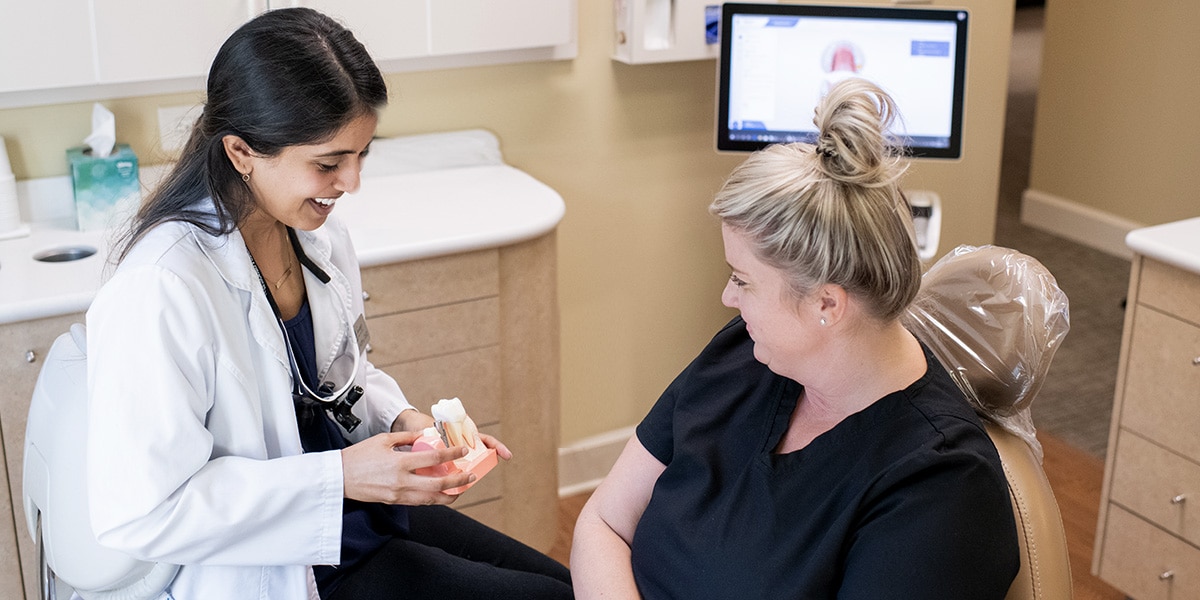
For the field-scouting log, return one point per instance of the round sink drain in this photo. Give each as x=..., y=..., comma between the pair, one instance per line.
x=64, y=254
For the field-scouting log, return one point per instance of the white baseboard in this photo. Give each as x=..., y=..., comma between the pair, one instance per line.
x=1077, y=222
x=583, y=464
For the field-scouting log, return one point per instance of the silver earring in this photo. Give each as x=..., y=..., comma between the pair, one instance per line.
x=822, y=321
x=246, y=177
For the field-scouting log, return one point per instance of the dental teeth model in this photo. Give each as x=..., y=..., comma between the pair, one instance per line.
x=453, y=428
x=450, y=418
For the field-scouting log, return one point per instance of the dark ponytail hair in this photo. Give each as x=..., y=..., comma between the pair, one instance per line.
x=288, y=77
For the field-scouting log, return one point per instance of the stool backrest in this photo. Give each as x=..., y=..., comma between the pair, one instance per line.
x=55, y=487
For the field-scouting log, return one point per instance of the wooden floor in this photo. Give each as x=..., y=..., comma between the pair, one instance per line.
x=1075, y=476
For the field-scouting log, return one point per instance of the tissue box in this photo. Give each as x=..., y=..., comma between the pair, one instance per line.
x=107, y=190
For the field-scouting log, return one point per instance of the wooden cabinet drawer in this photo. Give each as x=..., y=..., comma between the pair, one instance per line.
x=1162, y=383
x=1170, y=289
x=434, y=331
x=431, y=282
x=1138, y=557
x=1158, y=485
x=472, y=376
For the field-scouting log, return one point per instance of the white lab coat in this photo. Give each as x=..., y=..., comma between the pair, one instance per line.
x=194, y=455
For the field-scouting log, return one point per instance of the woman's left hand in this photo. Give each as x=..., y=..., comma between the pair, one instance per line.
x=501, y=450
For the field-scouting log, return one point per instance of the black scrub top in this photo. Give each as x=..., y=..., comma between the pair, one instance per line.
x=906, y=499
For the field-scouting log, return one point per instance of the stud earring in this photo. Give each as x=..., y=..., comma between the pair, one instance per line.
x=822, y=321
x=246, y=177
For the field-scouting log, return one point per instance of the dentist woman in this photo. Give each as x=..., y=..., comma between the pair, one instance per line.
x=236, y=427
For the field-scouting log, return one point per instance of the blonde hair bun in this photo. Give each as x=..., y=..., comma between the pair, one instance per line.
x=832, y=212
x=853, y=120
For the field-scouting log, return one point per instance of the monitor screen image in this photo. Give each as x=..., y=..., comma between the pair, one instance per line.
x=778, y=60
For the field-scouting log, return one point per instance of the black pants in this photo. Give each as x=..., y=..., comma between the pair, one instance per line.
x=448, y=556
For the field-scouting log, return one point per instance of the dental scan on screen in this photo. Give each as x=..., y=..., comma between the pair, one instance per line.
x=778, y=61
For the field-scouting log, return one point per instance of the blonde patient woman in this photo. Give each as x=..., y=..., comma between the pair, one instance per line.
x=236, y=426
x=814, y=449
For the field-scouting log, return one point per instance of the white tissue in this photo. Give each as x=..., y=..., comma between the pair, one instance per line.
x=104, y=131
x=10, y=210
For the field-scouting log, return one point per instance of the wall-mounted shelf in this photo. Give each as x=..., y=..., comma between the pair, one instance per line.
x=656, y=31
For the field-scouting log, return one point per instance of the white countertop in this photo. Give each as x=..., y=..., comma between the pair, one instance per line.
x=408, y=216
x=392, y=218
x=1176, y=244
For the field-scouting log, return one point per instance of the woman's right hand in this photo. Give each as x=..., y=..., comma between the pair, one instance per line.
x=380, y=469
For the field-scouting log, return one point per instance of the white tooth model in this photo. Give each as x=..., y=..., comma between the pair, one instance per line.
x=451, y=418
x=452, y=428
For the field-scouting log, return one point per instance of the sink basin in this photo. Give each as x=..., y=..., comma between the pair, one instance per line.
x=64, y=253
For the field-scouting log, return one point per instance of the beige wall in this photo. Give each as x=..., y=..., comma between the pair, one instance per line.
x=1117, y=127
x=630, y=148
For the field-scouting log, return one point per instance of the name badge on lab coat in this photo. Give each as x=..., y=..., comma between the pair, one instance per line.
x=361, y=334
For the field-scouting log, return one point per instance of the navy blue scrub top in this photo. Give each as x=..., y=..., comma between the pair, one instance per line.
x=366, y=526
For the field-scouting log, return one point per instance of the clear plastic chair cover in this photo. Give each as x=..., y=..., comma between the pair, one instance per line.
x=994, y=318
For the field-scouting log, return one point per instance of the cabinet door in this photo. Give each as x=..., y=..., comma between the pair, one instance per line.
x=10, y=559
x=22, y=347
x=165, y=39
x=45, y=44
x=461, y=26
x=391, y=29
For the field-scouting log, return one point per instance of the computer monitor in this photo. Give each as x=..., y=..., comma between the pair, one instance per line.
x=778, y=60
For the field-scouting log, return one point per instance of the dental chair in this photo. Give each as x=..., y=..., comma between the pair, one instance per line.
x=994, y=318
x=56, y=507
x=1045, y=567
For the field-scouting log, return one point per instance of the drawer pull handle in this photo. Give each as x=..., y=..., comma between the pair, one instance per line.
x=30, y=356
x=1180, y=499
x=367, y=298
x=1166, y=576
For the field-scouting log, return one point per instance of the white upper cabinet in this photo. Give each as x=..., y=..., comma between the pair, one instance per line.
x=465, y=26
x=45, y=44
x=164, y=39
x=390, y=29
x=57, y=44
x=54, y=51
